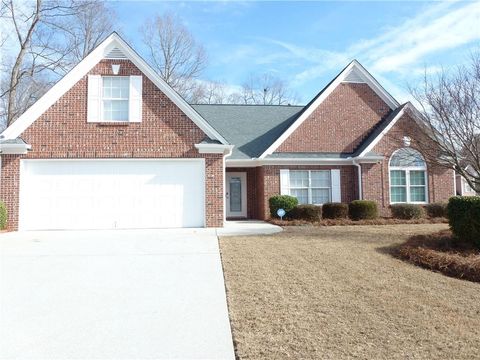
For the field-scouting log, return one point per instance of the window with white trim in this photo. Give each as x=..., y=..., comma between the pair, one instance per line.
x=115, y=98
x=408, y=177
x=311, y=186
x=466, y=186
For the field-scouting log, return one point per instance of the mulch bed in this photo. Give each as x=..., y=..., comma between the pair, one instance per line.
x=443, y=253
x=345, y=222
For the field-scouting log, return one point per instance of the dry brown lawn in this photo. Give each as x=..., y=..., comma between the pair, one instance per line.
x=335, y=292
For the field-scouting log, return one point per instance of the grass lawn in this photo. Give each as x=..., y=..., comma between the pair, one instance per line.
x=335, y=292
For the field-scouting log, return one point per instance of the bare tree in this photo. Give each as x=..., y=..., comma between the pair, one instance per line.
x=173, y=52
x=208, y=92
x=87, y=27
x=30, y=59
x=450, y=120
x=47, y=37
x=265, y=89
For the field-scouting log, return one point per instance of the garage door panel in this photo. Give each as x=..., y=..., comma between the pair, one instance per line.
x=92, y=194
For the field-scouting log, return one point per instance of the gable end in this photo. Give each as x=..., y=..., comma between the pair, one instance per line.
x=354, y=73
x=114, y=43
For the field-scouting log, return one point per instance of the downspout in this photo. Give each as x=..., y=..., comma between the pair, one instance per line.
x=359, y=167
x=226, y=154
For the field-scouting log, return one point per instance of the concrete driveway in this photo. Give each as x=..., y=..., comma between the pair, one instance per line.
x=143, y=294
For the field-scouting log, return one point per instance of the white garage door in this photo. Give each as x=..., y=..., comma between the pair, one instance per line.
x=109, y=194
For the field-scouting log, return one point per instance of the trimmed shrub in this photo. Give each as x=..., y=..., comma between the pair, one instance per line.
x=407, y=211
x=436, y=210
x=285, y=202
x=311, y=213
x=3, y=216
x=335, y=211
x=362, y=210
x=464, y=218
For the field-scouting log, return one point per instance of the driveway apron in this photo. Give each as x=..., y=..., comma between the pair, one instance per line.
x=124, y=294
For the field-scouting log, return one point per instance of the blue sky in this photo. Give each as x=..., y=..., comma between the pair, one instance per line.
x=308, y=43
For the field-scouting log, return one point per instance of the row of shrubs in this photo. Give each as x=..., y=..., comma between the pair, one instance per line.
x=356, y=210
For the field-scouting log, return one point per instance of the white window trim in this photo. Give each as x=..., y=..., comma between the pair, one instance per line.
x=102, y=99
x=407, y=183
x=310, y=188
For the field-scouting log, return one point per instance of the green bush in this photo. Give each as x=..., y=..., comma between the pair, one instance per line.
x=285, y=202
x=335, y=211
x=306, y=212
x=464, y=218
x=3, y=216
x=362, y=209
x=436, y=210
x=407, y=211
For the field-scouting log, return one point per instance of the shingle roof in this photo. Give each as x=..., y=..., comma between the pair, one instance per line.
x=251, y=128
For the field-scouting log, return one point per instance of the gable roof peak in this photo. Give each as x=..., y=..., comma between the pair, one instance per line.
x=113, y=41
x=354, y=72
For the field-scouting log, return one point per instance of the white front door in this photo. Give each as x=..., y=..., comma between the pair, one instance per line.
x=236, y=194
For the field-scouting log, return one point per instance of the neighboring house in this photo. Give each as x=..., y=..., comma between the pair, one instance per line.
x=111, y=145
x=462, y=186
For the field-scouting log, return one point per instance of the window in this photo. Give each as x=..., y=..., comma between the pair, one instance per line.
x=115, y=96
x=408, y=177
x=466, y=186
x=311, y=186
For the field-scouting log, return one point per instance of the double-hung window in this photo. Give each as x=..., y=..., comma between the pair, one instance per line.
x=408, y=177
x=311, y=186
x=115, y=98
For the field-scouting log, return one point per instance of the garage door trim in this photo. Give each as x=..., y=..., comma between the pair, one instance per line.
x=23, y=174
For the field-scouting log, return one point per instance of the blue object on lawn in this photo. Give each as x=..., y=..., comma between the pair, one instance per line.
x=281, y=213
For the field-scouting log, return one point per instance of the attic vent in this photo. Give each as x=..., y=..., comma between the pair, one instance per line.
x=354, y=77
x=115, y=53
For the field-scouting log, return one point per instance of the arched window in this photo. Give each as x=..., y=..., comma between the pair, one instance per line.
x=408, y=177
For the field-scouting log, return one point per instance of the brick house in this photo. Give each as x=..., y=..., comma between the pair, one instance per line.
x=111, y=145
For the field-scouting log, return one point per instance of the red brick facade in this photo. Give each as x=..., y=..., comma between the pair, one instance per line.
x=264, y=182
x=346, y=117
x=340, y=123
x=375, y=177
x=165, y=132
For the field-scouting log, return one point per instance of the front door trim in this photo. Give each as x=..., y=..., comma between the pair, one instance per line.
x=243, y=184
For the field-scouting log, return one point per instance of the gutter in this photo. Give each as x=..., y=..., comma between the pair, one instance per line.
x=14, y=149
x=227, y=154
x=303, y=161
x=214, y=149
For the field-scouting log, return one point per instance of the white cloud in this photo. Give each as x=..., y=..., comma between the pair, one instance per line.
x=425, y=36
x=401, y=49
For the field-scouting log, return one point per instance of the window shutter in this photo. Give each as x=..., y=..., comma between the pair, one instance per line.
x=94, y=96
x=284, y=182
x=135, y=99
x=336, y=192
